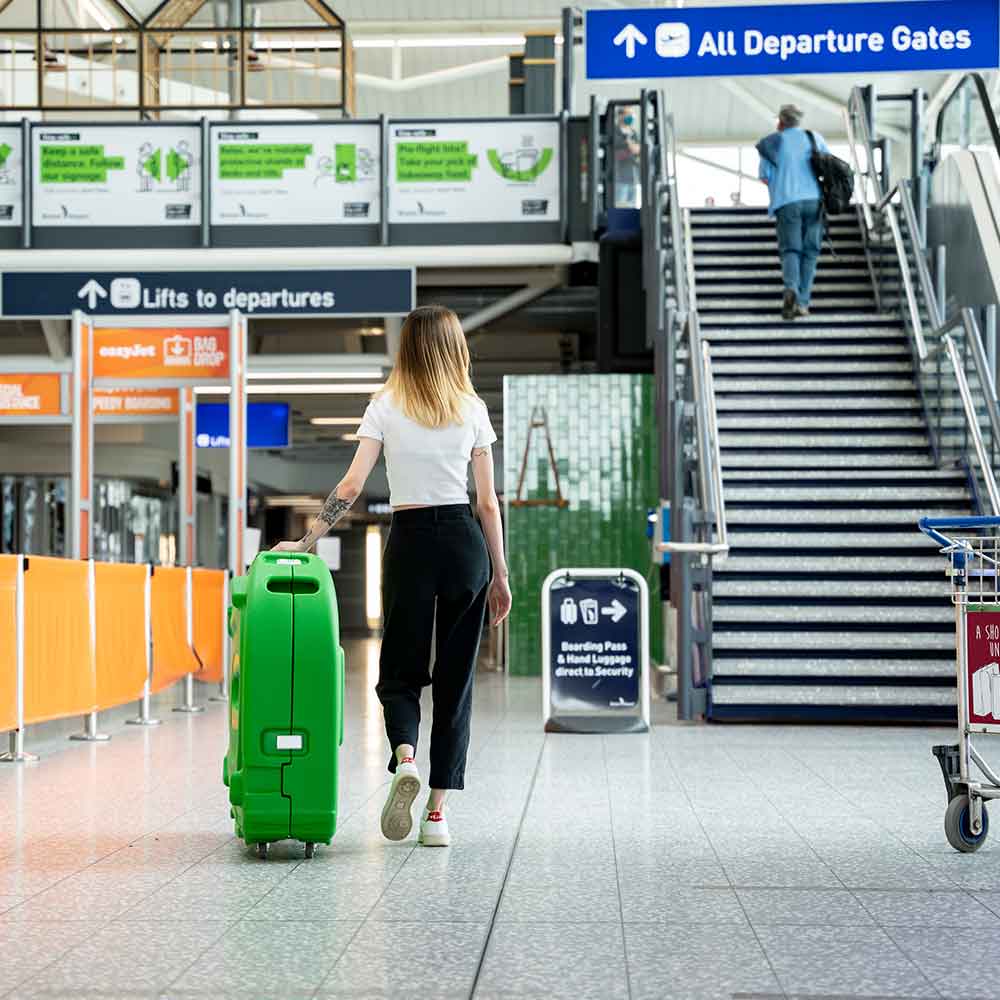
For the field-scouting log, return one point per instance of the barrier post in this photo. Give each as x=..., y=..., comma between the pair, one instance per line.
x=223, y=693
x=188, y=704
x=91, y=734
x=17, y=754
x=144, y=718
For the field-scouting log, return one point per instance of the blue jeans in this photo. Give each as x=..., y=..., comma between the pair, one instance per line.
x=800, y=239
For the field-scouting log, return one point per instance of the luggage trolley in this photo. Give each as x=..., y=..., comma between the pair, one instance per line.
x=972, y=545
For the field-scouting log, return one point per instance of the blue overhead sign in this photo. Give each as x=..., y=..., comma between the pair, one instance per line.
x=268, y=425
x=783, y=39
x=382, y=291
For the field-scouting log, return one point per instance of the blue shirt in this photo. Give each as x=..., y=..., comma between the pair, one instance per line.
x=792, y=179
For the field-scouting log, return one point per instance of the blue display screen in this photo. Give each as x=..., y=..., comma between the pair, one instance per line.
x=268, y=425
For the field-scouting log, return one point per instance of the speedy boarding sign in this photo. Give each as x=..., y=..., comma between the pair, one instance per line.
x=595, y=651
x=785, y=39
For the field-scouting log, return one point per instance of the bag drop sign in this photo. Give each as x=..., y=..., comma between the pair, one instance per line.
x=783, y=39
x=595, y=649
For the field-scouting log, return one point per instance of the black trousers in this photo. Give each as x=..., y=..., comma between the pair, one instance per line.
x=435, y=564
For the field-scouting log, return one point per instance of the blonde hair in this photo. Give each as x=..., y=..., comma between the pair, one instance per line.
x=430, y=381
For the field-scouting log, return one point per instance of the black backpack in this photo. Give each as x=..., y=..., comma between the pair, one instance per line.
x=835, y=177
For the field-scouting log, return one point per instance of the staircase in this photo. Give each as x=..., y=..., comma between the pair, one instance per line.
x=831, y=605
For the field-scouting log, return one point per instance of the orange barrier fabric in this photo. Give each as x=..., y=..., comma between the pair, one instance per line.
x=120, y=595
x=207, y=588
x=8, y=642
x=59, y=674
x=172, y=656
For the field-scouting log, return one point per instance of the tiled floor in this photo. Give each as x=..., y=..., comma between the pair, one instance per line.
x=696, y=862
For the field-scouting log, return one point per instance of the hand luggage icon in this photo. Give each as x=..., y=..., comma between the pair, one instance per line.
x=983, y=702
x=567, y=611
x=590, y=610
x=286, y=716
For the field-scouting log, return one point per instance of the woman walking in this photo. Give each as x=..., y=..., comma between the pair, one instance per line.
x=436, y=577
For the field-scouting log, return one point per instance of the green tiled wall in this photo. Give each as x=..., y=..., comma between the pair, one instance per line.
x=603, y=430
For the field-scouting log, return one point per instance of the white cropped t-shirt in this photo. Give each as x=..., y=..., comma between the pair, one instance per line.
x=427, y=465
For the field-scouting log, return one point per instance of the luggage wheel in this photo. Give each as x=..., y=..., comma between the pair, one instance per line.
x=310, y=849
x=261, y=850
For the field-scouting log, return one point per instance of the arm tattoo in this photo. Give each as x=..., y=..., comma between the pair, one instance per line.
x=333, y=510
x=479, y=452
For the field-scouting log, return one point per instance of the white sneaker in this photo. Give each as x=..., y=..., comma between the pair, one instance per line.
x=434, y=830
x=397, y=822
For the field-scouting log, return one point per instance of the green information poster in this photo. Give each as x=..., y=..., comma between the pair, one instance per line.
x=295, y=175
x=116, y=175
x=503, y=171
x=11, y=171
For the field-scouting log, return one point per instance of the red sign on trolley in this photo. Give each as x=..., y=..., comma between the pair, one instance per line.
x=982, y=664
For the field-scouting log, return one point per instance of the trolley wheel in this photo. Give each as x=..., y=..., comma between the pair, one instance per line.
x=262, y=850
x=310, y=849
x=957, y=826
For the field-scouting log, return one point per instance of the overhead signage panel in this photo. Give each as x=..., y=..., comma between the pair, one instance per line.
x=136, y=402
x=295, y=175
x=502, y=171
x=36, y=395
x=268, y=425
x=118, y=176
x=161, y=352
x=785, y=39
x=342, y=292
x=11, y=175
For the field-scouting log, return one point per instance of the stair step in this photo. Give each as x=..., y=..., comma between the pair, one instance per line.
x=721, y=302
x=824, y=460
x=796, y=350
x=815, y=404
x=819, y=666
x=797, y=540
x=756, y=245
x=857, y=423
x=842, y=492
x=800, y=590
x=788, y=332
x=891, y=641
x=809, y=322
x=716, y=258
x=838, y=515
x=758, y=227
x=725, y=383
x=769, y=566
x=856, y=277
x=819, y=439
x=795, y=368
x=878, y=475
x=765, y=615
x=850, y=696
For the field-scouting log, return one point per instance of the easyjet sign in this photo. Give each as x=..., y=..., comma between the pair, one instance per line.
x=195, y=353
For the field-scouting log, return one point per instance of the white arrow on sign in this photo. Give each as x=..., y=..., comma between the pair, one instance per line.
x=617, y=611
x=92, y=291
x=630, y=36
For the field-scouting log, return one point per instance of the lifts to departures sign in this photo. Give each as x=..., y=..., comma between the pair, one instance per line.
x=785, y=39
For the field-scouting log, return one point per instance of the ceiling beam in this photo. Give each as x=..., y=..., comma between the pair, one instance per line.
x=750, y=99
x=824, y=102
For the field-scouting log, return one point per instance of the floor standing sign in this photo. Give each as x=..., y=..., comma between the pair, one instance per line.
x=595, y=651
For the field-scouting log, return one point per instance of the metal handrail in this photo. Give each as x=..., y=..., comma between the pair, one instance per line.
x=972, y=421
x=982, y=92
x=721, y=523
x=885, y=207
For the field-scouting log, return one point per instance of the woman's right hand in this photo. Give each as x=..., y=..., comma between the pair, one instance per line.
x=287, y=547
x=499, y=599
